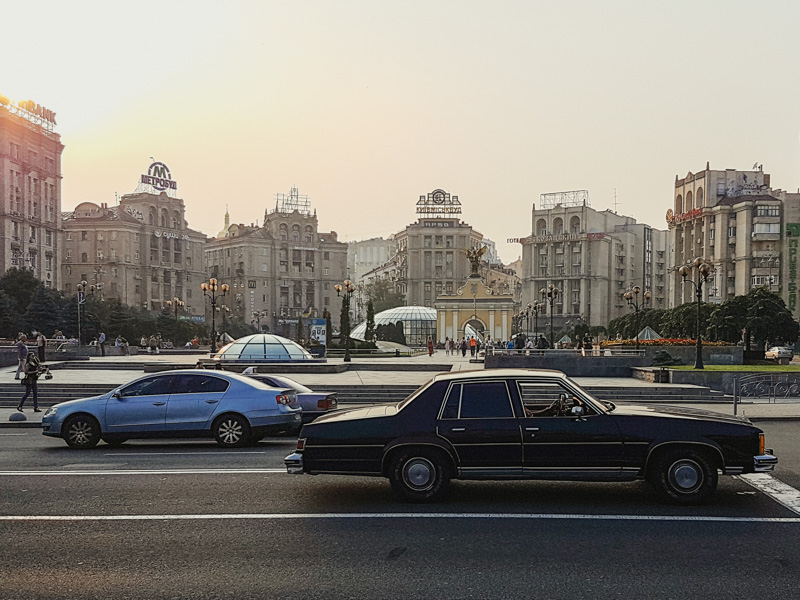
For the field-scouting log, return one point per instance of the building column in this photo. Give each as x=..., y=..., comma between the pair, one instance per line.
x=442, y=324
x=455, y=323
x=492, y=332
x=504, y=324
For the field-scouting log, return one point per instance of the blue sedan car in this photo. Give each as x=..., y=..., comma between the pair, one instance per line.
x=233, y=409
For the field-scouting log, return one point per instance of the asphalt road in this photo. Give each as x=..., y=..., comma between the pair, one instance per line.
x=195, y=521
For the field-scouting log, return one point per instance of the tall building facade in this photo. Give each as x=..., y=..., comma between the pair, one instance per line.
x=366, y=255
x=283, y=270
x=30, y=186
x=430, y=252
x=744, y=229
x=592, y=257
x=141, y=252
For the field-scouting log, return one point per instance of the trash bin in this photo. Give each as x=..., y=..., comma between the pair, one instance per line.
x=663, y=375
x=396, y=352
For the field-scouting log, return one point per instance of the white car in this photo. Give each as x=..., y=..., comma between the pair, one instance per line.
x=779, y=353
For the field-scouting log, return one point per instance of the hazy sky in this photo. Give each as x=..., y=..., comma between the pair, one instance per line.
x=366, y=105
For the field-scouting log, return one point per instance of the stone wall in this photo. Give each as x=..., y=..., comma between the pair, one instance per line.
x=570, y=362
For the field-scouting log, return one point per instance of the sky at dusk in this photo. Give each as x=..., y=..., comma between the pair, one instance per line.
x=366, y=105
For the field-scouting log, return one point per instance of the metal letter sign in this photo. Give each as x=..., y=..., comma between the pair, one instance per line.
x=793, y=233
x=81, y=297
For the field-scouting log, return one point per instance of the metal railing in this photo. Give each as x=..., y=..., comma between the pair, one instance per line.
x=769, y=387
x=556, y=352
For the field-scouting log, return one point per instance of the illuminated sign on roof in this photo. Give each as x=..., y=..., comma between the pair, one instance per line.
x=159, y=177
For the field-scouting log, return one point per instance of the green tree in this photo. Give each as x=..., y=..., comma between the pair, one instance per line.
x=44, y=313
x=369, y=334
x=384, y=295
x=768, y=319
x=681, y=321
x=344, y=322
x=20, y=286
x=326, y=314
x=728, y=319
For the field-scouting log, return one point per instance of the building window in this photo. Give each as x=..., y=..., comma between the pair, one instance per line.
x=84, y=236
x=326, y=271
x=326, y=256
x=84, y=257
x=264, y=267
x=767, y=228
x=768, y=211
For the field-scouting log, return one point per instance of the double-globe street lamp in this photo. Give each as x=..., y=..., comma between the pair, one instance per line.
x=549, y=296
x=525, y=313
x=84, y=287
x=210, y=288
x=537, y=308
x=632, y=297
x=703, y=270
x=345, y=290
x=257, y=316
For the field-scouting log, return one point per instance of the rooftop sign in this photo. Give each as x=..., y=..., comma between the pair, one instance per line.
x=438, y=203
x=159, y=177
x=31, y=112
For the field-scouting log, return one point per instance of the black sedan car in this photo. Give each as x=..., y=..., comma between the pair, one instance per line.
x=525, y=424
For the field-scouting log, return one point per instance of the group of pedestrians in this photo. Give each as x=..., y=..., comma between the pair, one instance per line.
x=453, y=346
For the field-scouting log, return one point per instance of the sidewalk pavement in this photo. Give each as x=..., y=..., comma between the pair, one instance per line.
x=116, y=376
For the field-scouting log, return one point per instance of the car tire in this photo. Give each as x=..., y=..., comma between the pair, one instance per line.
x=115, y=442
x=419, y=475
x=231, y=431
x=81, y=431
x=685, y=477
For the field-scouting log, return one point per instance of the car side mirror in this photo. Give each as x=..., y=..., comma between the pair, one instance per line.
x=116, y=394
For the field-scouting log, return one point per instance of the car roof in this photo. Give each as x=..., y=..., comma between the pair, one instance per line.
x=224, y=374
x=495, y=373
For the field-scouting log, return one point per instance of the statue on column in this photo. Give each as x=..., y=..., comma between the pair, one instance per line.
x=474, y=255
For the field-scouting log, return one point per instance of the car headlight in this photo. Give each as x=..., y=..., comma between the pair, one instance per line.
x=51, y=411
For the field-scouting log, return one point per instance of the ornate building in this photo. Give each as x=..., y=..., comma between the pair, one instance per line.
x=30, y=186
x=281, y=271
x=141, y=252
x=592, y=257
x=744, y=229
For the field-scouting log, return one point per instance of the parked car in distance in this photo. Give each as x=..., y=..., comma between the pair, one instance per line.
x=314, y=404
x=782, y=354
x=233, y=409
x=528, y=424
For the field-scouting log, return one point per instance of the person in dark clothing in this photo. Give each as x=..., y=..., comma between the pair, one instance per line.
x=463, y=347
x=31, y=380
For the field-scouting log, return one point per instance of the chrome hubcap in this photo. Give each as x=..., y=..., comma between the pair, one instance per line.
x=80, y=432
x=686, y=475
x=419, y=473
x=230, y=431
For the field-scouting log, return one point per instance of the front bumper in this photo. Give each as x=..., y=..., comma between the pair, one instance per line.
x=294, y=463
x=765, y=462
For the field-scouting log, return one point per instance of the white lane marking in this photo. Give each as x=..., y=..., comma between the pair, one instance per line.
x=279, y=516
x=13, y=434
x=144, y=472
x=174, y=453
x=782, y=493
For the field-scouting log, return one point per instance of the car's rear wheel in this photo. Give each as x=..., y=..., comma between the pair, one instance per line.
x=685, y=476
x=81, y=431
x=231, y=431
x=419, y=475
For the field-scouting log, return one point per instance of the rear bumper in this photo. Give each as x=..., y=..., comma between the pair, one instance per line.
x=765, y=462
x=294, y=463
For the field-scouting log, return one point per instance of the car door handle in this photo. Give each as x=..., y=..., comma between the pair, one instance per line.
x=159, y=403
x=454, y=429
x=211, y=401
x=531, y=429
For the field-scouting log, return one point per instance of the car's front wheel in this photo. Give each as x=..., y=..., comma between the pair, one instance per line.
x=419, y=475
x=81, y=431
x=685, y=477
x=231, y=431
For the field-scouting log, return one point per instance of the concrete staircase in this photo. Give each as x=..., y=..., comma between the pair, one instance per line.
x=52, y=393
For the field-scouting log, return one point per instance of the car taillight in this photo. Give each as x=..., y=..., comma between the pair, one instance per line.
x=301, y=444
x=327, y=403
x=282, y=399
x=761, y=444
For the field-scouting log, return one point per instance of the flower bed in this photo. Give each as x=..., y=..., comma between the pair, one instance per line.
x=659, y=342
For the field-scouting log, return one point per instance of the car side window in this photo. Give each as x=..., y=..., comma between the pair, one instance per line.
x=485, y=400
x=453, y=400
x=199, y=384
x=157, y=385
x=538, y=396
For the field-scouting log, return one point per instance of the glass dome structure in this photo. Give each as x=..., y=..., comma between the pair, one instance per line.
x=419, y=322
x=263, y=347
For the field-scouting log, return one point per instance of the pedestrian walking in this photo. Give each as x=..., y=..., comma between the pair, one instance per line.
x=430, y=346
x=102, y=341
x=41, y=344
x=31, y=379
x=153, y=343
x=463, y=347
x=22, y=354
x=472, y=346
x=446, y=346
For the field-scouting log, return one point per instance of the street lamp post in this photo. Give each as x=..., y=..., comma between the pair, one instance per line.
x=176, y=302
x=549, y=296
x=703, y=271
x=537, y=308
x=345, y=290
x=81, y=303
x=257, y=316
x=210, y=288
x=632, y=297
